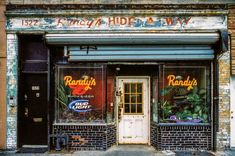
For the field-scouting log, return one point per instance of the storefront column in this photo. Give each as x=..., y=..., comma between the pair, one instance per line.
x=12, y=86
x=223, y=134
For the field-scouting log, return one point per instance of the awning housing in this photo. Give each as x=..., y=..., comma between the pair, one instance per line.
x=136, y=46
x=132, y=38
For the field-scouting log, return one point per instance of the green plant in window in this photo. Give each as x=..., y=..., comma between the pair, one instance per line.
x=199, y=106
x=166, y=108
x=62, y=95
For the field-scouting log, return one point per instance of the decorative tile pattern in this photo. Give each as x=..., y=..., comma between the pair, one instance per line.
x=12, y=86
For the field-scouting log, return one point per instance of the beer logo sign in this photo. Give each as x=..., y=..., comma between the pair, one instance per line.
x=80, y=106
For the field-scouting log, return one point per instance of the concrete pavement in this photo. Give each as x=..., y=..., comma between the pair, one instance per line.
x=124, y=150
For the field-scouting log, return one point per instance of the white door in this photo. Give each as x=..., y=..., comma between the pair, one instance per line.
x=133, y=107
x=232, y=116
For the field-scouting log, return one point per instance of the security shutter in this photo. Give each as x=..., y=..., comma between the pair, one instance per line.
x=136, y=46
x=139, y=53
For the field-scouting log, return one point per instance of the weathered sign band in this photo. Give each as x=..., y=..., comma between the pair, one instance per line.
x=118, y=23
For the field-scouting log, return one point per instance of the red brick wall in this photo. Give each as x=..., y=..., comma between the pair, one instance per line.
x=2, y=76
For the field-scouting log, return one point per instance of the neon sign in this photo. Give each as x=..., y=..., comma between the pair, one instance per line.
x=80, y=106
x=177, y=81
x=80, y=86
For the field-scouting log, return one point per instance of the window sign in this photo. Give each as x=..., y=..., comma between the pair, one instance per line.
x=80, y=94
x=185, y=95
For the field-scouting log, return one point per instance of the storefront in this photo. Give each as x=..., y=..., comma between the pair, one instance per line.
x=114, y=78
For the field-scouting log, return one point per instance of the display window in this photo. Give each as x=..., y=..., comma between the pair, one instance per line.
x=80, y=94
x=185, y=94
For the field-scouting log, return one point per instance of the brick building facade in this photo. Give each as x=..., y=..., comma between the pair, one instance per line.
x=78, y=37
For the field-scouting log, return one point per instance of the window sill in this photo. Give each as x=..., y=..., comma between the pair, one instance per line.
x=183, y=124
x=83, y=124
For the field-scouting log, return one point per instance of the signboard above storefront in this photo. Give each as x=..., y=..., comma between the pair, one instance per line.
x=117, y=23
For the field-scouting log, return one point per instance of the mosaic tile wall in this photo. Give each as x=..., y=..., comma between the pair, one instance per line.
x=12, y=74
x=223, y=135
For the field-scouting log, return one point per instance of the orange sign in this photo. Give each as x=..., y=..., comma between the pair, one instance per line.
x=80, y=86
x=177, y=81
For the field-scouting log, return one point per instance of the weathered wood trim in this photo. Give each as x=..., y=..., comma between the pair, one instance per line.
x=113, y=6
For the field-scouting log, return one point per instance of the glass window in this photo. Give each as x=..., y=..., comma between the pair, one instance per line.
x=80, y=94
x=133, y=98
x=185, y=95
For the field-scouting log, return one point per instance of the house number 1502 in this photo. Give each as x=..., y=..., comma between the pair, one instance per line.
x=29, y=22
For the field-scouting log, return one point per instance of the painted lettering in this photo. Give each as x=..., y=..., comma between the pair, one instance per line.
x=172, y=81
x=169, y=20
x=111, y=21
x=186, y=20
x=121, y=21
x=172, y=21
x=30, y=23
x=131, y=21
x=106, y=22
x=60, y=22
x=98, y=22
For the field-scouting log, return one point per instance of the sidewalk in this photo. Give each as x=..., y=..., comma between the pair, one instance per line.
x=127, y=150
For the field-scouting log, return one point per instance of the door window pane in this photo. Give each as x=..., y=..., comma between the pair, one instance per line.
x=133, y=100
x=133, y=88
x=139, y=98
x=133, y=108
x=127, y=108
x=139, y=108
x=127, y=88
x=127, y=98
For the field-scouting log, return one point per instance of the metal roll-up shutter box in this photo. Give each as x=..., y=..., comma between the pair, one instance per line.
x=140, y=53
x=136, y=46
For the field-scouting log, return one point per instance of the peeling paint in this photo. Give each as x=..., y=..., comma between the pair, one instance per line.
x=113, y=22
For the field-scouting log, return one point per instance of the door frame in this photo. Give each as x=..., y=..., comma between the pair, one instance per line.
x=232, y=113
x=148, y=107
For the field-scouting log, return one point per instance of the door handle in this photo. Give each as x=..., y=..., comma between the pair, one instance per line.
x=26, y=111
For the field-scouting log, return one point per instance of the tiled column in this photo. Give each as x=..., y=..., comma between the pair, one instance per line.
x=223, y=135
x=12, y=86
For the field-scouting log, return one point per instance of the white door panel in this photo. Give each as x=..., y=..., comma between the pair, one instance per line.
x=133, y=110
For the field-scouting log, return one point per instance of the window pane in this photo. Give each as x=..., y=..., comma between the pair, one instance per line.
x=139, y=108
x=127, y=98
x=139, y=98
x=185, y=95
x=127, y=88
x=133, y=87
x=127, y=108
x=80, y=94
x=133, y=98
x=133, y=108
x=139, y=87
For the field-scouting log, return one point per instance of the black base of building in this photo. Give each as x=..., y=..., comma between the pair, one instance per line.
x=85, y=137
x=181, y=137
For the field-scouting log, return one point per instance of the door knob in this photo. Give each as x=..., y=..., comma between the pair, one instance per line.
x=26, y=112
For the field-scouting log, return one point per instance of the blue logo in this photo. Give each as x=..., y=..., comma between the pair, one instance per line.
x=80, y=106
